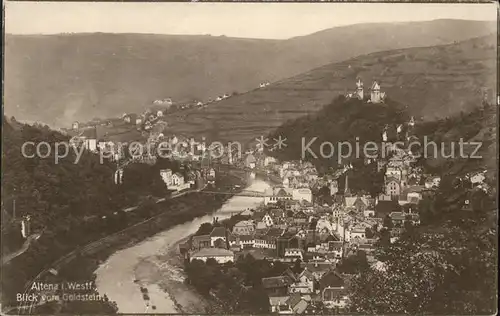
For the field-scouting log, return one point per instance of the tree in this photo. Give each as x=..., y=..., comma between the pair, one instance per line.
x=354, y=264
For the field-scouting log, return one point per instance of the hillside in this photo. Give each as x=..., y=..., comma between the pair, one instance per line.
x=432, y=81
x=57, y=79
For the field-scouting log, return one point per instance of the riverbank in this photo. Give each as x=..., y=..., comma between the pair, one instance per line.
x=154, y=267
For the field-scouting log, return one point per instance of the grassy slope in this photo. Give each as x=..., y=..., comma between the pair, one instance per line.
x=432, y=81
x=61, y=78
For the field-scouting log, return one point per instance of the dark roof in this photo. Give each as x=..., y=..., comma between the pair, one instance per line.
x=294, y=299
x=307, y=273
x=289, y=273
x=300, y=214
x=274, y=232
x=218, y=232
x=282, y=192
x=318, y=268
x=329, y=237
x=331, y=279
x=274, y=282
x=201, y=238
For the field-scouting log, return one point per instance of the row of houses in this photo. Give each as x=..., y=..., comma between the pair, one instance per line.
x=300, y=293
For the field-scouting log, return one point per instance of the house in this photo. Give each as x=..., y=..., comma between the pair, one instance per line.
x=304, y=284
x=285, y=241
x=268, y=220
x=276, y=194
x=294, y=253
x=166, y=175
x=332, y=291
x=247, y=241
x=199, y=242
x=247, y=212
x=397, y=218
x=159, y=113
x=318, y=269
x=392, y=187
x=336, y=248
x=276, y=286
x=279, y=304
x=218, y=233
x=265, y=241
x=244, y=228
x=478, y=178
x=297, y=304
x=357, y=232
x=250, y=161
x=220, y=255
x=177, y=179
x=300, y=217
x=302, y=194
x=90, y=139
x=432, y=182
x=75, y=125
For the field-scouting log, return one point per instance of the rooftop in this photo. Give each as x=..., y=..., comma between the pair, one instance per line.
x=273, y=282
x=212, y=252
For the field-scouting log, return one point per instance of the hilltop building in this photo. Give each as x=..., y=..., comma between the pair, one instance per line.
x=376, y=95
x=359, y=89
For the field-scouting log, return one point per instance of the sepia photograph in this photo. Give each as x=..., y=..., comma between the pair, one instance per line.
x=222, y=158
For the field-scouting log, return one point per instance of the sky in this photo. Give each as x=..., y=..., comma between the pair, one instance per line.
x=251, y=20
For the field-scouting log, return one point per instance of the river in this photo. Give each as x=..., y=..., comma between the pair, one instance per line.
x=147, y=264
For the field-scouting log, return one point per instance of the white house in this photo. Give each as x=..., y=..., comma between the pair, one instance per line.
x=220, y=255
x=244, y=228
x=273, y=195
x=268, y=220
x=294, y=253
x=304, y=284
x=432, y=182
x=357, y=232
x=478, y=178
x=166, y=175
x=177, y=179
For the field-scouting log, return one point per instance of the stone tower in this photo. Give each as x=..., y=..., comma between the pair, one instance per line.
x=375, y=93
x=359, y=89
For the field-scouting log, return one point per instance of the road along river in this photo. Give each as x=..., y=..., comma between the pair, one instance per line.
x=144, y=279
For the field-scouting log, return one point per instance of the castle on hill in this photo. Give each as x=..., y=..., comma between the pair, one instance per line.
x=376, y=96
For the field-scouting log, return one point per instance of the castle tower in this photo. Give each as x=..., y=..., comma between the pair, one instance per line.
x=359, y=89
x=375, y=93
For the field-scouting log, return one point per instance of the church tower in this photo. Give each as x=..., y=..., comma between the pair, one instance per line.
x=359, y=89
x=347, y=191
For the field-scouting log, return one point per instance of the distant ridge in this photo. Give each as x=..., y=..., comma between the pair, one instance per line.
x=57, y=79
